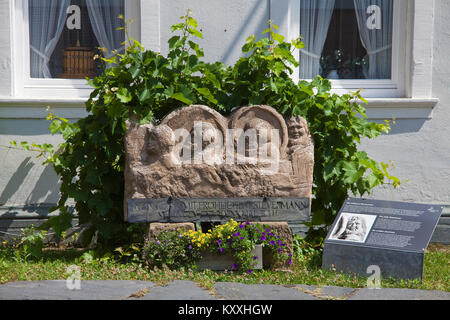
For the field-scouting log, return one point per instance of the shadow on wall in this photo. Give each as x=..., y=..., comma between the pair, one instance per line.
x=24, y=127
x=405, y=126
x=16, y=180
x=46, y=189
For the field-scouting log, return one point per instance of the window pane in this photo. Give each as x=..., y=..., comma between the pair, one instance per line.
x=346, y=39
x=66, y=34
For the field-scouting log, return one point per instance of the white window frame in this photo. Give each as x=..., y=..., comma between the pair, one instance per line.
x=394, y=87
x=24, y=85
x=409, y=94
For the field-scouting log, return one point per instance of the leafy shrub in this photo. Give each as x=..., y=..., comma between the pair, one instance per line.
x=32, y=242
x=147, y=85
x=171, y=249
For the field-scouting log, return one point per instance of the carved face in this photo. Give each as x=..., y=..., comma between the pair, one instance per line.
x=161, y=140
x=296, y=128
x=262, y=127
x=210, y=134
x=203, y=135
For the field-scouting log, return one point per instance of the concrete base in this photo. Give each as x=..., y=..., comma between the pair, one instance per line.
x=354, y=259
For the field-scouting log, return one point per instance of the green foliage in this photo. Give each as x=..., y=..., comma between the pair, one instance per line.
x=239, y=240
x=147, y=85
x=131, y=253
x=32, y=242
x=171, y=249
x=304, y=249
x=177, y=249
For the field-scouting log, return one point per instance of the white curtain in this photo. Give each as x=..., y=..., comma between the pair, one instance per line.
x=375, y=19
x=47, y=20
x=315, y=18
x=103, y=15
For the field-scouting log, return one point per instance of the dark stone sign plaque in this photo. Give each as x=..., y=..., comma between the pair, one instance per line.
x=294, y=210
x=387, y=234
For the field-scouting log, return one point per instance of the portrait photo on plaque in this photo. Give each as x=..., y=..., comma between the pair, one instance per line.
x=353, y=227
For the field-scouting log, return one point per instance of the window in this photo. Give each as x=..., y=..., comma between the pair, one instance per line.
x=65, y=35
x=357, y=44
x=55, y=42
x=346, y=39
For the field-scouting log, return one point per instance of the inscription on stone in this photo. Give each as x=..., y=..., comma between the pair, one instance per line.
x=293, y=210
x=391, y=235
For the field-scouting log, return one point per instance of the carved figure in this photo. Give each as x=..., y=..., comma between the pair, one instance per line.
x=194, y=153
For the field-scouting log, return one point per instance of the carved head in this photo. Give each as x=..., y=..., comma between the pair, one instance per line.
x=261, y=126
x=161, y=140
x=297, y=127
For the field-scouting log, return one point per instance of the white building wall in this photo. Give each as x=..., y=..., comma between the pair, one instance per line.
x=420, y=148
x=5, y=49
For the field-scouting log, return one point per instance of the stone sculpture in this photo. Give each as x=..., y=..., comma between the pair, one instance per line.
x=197, y=153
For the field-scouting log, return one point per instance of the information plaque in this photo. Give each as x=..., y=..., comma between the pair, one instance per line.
x=390, y=235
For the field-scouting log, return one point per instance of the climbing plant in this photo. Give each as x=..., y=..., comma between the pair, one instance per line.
x=148, y=85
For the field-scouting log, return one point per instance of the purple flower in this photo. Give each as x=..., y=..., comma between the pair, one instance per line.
x=279, y=249
x=267, y=230
x=221, y=249
x=236, y=234
x=242, y=238
x=279, y=242
x=250, y=271
x=158, y=242
x=290, y=261
x=241, y=226
x=255, y=257
x=219, y=241
x=263, y=238
x=272, y=243
x=234, y=266
x=190, y=247
x=247, y=223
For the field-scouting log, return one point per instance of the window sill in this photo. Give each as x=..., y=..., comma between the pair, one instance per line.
x=401, y=108
x=377, y=109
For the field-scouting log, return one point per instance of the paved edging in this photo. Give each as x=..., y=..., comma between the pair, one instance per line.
x=188, y=290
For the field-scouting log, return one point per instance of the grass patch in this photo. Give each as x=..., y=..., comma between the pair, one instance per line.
x=304, y=270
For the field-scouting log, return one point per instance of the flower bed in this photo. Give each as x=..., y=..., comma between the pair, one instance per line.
x=228, y=246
